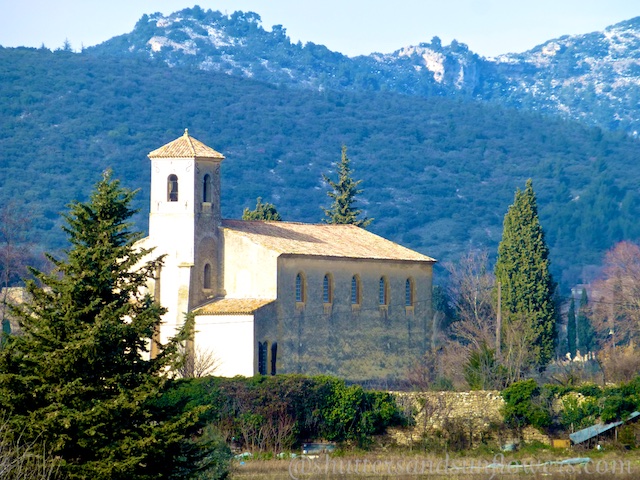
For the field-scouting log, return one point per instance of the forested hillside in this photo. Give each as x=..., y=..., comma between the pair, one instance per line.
x=438, y=173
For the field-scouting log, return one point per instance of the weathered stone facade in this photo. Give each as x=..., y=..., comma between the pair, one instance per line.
x=359, y=341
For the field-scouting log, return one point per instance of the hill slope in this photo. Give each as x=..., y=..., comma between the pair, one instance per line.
x=438, y=173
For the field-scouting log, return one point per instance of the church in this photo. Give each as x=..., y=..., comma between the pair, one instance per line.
x=280, y=297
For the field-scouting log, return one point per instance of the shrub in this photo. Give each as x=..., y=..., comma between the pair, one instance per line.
x=521, y=408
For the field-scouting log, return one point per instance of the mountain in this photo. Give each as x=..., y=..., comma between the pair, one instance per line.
x=593, y=78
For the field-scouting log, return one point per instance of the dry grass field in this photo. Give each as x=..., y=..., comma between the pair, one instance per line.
x=547, y=464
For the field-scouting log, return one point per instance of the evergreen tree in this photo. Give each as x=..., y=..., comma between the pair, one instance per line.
x=345, y=189
x=571, y=329
x=522, y=268
x=263, y=211
x=584, y=341
x=79, y=378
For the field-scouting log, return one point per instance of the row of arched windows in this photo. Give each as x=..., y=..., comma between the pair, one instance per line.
x=172, y=188
x=356, y=291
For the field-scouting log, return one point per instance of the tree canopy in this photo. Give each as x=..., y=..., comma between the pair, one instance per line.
x=345, y=189
x=80, y=378
x=522, y=268
x=263, y=211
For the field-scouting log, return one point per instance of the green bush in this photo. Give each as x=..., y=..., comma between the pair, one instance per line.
x=278, y=413
x=522, y=406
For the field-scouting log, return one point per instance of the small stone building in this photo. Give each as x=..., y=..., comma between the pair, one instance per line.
x=281, y=297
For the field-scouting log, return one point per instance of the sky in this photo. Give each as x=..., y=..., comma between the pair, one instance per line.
x=351, y=27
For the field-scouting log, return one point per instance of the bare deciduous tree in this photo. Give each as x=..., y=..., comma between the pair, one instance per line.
x=470, y=288
x=199, y=362
x=616, y=309
x=14, y=252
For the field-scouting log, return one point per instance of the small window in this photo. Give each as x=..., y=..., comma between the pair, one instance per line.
x=382, y=293
x=206, y=188
x=172, y=188
x=355, y=290
x=207, y=276
x=408, y=293
x=299, y=288
x=327, y=288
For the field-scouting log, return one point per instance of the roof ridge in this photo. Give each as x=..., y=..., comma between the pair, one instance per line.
x=190, y=142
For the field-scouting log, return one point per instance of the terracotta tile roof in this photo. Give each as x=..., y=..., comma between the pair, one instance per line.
x=185, y=147
x=347, y=241
x=232, y=306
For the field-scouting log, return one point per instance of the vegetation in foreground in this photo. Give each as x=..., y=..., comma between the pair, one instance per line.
x=77, y=379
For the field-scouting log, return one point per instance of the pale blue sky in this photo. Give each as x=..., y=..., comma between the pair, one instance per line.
x=352, y=27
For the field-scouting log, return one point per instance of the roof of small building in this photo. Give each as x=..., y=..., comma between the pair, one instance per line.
x=185, y=147
x=232, y=306
x=327, y=240
x=595, y=430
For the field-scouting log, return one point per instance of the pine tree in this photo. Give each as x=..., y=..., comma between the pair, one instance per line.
x=345, y=189
x=584, y=341
x=522, y=268
x=263, y=211
x=571, y=329
x=78, y=378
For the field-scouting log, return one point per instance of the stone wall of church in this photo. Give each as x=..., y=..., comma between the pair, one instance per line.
x=361, y=341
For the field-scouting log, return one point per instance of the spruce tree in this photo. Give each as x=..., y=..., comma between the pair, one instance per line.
x=263, y=211
x=571, y=329
x=522, y=268
x=345, y=189
x=79, y=378
x=584, y=341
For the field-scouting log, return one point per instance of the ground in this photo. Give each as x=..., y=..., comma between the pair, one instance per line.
x=527, y=464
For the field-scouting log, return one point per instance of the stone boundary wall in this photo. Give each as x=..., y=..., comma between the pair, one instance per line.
x=475, y=414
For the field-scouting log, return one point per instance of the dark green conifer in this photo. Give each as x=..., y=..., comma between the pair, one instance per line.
x=522, y=268
x=571, y=329
x=584, y=341
x=78, y=378
x=263, y=211
x=345, y=189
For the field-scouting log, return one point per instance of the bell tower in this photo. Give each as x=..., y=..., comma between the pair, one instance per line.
x=184, y=220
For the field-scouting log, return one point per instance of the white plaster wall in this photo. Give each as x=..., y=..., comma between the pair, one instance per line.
x=250, y=270
x=230, y=339
x=171, y=224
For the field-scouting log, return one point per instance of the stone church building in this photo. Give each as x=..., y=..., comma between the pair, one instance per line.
x=281, y=297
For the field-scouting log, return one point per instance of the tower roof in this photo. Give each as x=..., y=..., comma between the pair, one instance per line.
x=186, y=147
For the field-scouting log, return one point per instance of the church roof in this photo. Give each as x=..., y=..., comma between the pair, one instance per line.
x=327, y=240
x=232, y=306
x=185, y=147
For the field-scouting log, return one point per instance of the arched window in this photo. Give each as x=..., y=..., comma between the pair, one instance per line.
x=206, y=188
x=383, y=293
x=327, y=288
x=408, y=293
x=172, y=188
x=300, y=288
x=207, y=276
x=355, y=290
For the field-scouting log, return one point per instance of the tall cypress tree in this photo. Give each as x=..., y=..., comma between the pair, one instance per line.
x=522, y=268
x=344, y=193
x=78, y=378
x=584, y=341
x=571, y=329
